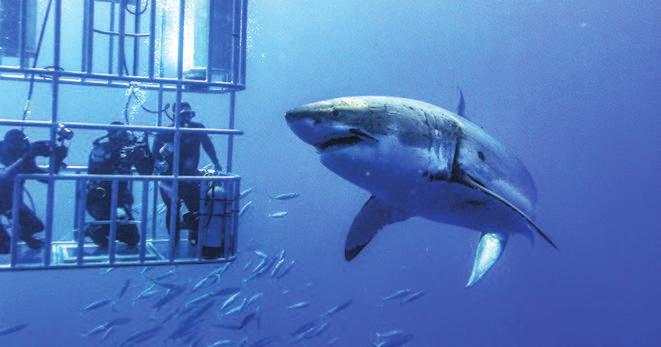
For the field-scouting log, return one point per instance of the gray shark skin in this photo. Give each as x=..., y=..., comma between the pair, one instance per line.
x=417, y=159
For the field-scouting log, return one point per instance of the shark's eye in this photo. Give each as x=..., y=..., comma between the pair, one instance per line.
x=481, y=155
x=335, y=113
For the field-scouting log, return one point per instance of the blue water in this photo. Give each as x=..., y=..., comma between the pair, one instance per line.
x=571, y=87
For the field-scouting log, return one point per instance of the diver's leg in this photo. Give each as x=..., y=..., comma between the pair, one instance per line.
x=128, y=233
x=4, y=240
x=98, y=233
x=191, y=197
x=30, y=225
x=98, y=206
x=167, y=201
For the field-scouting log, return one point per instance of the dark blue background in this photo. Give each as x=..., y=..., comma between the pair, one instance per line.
x=572, y=87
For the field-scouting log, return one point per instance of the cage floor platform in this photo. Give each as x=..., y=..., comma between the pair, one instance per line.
x=65, y=255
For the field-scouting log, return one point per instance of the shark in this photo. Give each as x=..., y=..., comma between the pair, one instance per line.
x=418, y=159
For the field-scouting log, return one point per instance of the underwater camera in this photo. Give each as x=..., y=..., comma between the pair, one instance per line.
x=63, y=133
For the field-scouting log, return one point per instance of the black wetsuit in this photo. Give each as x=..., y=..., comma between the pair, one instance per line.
x=30, y=224
x=189, y=160
x=113, y=158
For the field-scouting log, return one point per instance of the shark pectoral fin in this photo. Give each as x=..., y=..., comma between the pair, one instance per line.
x=489, y=249
x=470, y=181
x=374, y=215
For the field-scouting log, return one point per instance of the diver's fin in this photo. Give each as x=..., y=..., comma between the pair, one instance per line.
x=461, y=106
x=467, y=179
x=489, y=249
x=372, y=217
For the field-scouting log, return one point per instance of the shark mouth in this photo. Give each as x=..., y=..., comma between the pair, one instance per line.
x=355, y=136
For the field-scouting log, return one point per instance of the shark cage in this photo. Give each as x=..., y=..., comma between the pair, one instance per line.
x=161, y=47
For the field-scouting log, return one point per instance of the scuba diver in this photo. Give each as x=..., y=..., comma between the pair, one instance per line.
x=115, y=153
x=17, y=155
x=189, y=192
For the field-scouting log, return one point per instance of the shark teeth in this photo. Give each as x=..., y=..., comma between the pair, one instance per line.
x=355, y=136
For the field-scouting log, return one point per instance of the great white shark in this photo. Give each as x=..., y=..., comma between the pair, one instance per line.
x=418, y=159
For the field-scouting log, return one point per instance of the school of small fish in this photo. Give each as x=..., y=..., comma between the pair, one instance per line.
x=178, y=307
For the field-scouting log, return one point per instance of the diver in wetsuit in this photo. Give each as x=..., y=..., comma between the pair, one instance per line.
x=17, y=155
x=115, y=154
x=189, y=158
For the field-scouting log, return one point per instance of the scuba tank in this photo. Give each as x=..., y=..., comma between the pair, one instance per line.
x=213, y=212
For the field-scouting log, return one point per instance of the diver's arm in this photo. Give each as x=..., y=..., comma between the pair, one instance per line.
x=156, y=148
x=143, y=160
x=211, y=151
x=12, y=170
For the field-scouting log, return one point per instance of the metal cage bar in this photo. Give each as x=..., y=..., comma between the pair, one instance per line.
x=121, y=54
x=17, y=196
x=116, y=56
x=113, y=221
x=82, y=196
x=148, y=252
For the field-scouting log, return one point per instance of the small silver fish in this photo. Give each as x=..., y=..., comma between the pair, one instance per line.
x=337, y=308
x=398, y=294
x=286, y=270
x=12, y=329
x=229, y=301
x=245, y=192
x=254, y=298
x=412, y=297
x=107, y=333
x=277, y=267
x=279, y=214
x=313, y=332
x=245, y=267
x=265, y=341
x=244, y=208
x=393, y=340
x=171, y=272
x=200, y=283
x=224, y=342
x=97, y=329
x=286, y=196
x=298, y=305
x=146, y=293
x=124, y=289
x=238, y=308
x=198, y=299
x=97, y=304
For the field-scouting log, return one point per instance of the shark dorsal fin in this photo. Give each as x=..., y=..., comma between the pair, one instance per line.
x=461, y=106
x=479, y=186
x=374, y=215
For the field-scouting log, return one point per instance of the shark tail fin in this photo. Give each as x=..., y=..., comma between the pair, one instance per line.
x=477, y=185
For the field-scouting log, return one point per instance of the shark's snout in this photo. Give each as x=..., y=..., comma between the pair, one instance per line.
x=318, y=124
